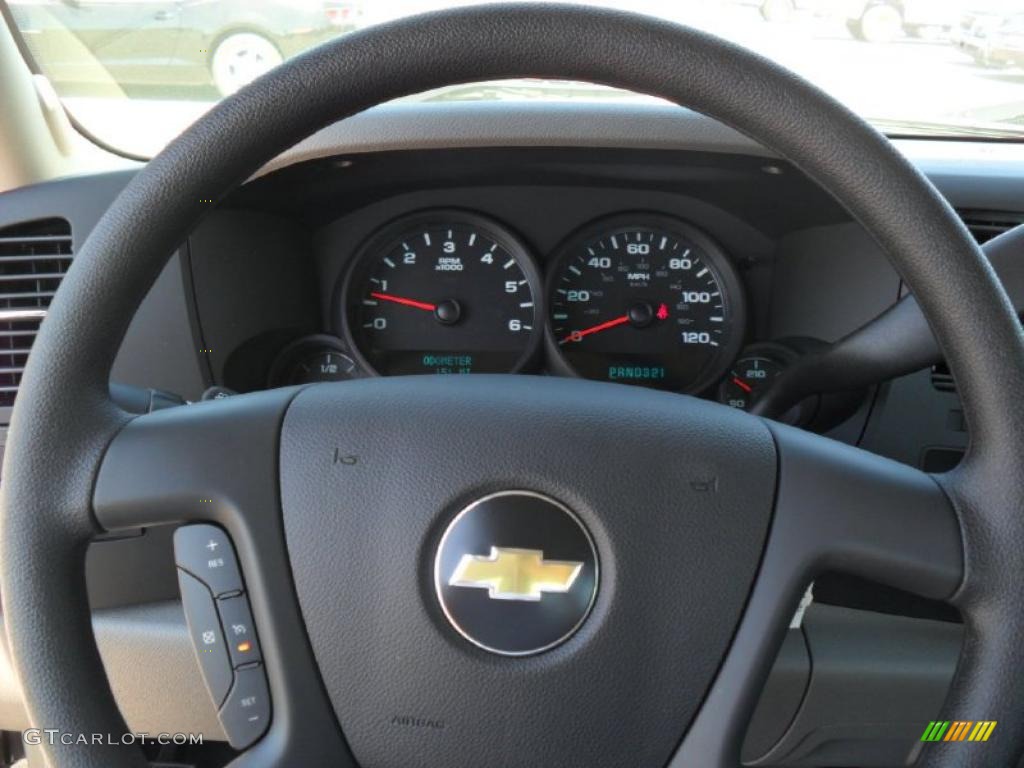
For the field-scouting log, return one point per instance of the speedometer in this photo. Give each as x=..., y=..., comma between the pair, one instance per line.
x=646, y=300
x=443, y=292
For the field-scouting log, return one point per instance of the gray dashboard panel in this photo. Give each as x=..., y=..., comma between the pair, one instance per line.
x=829, y=281
x=406, y=126
x=951, y=164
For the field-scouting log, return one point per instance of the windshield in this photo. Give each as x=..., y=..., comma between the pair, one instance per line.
x=135, y=73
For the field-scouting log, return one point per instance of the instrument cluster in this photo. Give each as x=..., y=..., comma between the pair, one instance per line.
x=639, y=298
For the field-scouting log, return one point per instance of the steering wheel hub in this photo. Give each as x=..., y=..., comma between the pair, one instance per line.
x=516, y=573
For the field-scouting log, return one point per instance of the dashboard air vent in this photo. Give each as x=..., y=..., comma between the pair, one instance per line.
x=33, y=258
x=942, y=379
x=985, y=225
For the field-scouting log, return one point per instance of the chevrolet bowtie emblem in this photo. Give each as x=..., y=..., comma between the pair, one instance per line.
x=515, y=574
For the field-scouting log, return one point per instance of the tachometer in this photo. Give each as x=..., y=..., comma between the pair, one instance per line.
x=645, y=300
x=443, y=292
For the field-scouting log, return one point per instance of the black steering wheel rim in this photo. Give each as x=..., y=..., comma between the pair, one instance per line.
x=64, y=421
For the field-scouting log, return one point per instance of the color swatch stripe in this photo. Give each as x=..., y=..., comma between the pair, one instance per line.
x=958, y=730
x=935, y=730
x=983, y=730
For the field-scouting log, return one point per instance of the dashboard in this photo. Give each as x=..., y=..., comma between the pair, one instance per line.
x=275, y=285
x=645, y=246
x=268, y=288
x=677, y=271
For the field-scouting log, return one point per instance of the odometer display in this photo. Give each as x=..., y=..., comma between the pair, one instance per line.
x=445, y=292
x=645, y=300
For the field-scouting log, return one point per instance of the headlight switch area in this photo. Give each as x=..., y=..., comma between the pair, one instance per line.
x=222, y=631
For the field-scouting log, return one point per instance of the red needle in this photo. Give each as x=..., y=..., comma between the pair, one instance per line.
x=742, y=384
x=577, y=335
x=405, y=302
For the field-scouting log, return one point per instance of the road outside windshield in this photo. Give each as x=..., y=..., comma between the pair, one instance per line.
x=135, y=73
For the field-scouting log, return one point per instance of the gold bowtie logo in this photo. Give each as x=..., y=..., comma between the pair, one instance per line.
x=515, y=574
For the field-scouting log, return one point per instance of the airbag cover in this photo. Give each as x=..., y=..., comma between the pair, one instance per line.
x=676, y=493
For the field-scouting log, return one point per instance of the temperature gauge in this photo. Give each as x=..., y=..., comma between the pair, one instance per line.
x=747, y=379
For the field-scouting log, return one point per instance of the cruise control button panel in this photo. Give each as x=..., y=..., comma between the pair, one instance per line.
x=205, y=551
x=246, y=712
x=207, y=636
x=222, y=631
x=243, y=647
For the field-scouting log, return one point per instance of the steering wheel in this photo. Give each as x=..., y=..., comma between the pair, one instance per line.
x=706, y=524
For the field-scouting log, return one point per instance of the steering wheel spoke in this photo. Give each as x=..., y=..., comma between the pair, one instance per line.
x=837, y=508
x=212, y=461
x=216, y=462
x=842, y=508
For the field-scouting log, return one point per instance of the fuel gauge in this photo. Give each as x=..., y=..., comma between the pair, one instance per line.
x=313, y=359
x=321, y=365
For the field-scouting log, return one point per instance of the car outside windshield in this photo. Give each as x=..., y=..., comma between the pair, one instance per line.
x=134, y=73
